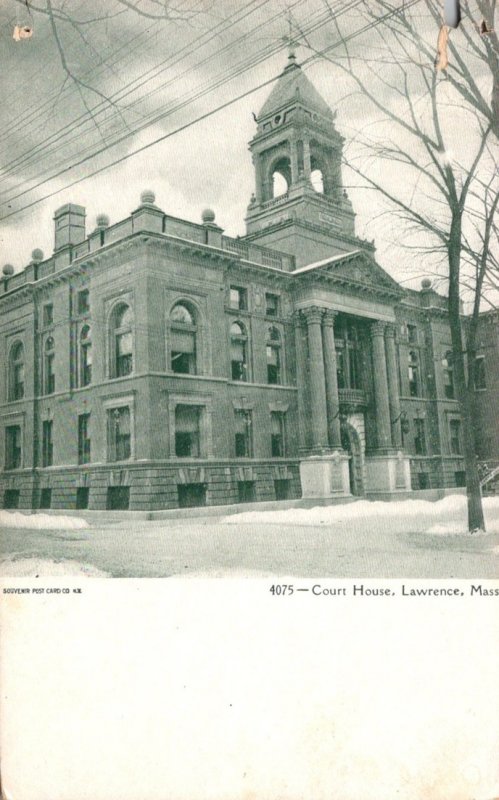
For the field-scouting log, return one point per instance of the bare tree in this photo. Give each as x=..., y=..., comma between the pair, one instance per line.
x=433, y=131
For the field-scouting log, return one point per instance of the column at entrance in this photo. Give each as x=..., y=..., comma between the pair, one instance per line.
x=384, y=436
x=301, y=379
x=331, y=376
x=318, y=408
x=387, y=471
x=393, y=386
x=322, y=474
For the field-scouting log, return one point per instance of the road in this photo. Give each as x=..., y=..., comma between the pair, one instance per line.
x=211, y=547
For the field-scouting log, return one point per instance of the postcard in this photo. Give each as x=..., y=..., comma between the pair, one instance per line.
x=249, y=439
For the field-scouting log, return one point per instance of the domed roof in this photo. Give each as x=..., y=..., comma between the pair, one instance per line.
x=293, y=84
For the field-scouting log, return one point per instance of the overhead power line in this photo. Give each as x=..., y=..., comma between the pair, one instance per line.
x=198, y=119
x=118, y=96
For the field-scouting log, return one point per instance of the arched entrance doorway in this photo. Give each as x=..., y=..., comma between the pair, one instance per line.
x=350, y=441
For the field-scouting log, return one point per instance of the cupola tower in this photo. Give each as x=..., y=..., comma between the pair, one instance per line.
x=299, y=205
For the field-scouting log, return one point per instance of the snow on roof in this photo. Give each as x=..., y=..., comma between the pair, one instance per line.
x=330, y=260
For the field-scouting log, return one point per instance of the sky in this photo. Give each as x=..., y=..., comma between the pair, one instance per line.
x=142, y=78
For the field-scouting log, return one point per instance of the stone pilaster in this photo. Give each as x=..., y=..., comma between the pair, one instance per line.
x=331, y=376
x=318, y=409
x=293, y=158
x=307, y=164
x=393, y=386
x=384, y=437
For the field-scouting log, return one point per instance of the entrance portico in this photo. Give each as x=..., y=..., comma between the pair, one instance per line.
x=339, y=380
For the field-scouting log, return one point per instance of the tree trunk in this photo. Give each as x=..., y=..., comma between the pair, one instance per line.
x=473, y=492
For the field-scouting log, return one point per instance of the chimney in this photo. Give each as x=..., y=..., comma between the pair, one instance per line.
x=69, y=225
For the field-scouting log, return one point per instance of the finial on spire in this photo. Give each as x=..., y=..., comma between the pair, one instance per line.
x=290, y=40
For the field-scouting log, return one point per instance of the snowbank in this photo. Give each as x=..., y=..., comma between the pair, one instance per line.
x=44, y=568
x=14, y=519
x=450, y=512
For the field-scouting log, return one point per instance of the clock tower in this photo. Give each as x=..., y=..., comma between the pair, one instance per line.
x=299, y=205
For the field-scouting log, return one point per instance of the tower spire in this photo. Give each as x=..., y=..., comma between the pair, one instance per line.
x=291, y=41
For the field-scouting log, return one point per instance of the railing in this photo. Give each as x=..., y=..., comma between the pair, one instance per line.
x=258, y=254
x=356, y=397
x=276, y=201
x=489, y=476
x=235, y=246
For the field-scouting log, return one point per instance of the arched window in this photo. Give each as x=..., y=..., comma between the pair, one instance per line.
x=183, y=340
x=121, y=344
x=317, y=180
x=85, y=356
x=281, y=177
x=238, y=352
x=16, y=372
x=448, y=375
x=48, y=366
x=413, y=372
x=273, y=356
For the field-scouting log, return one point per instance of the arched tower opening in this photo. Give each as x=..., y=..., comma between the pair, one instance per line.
x=297, y=155
x=281, y=177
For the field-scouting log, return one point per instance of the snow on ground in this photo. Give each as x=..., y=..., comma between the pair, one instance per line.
x=446, y=516
x=14, y=519
x=44, y=568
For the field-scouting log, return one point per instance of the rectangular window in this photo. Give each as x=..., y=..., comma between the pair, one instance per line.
x=124, y=358
x=423, y=480
x=49, y=373
x=83, y=301
x=282, y=488
x=413, y=380
x=238, y=298
x=246, y=492
x=13, y=447
x=277, y=440
x=455, y=436
x=412, y=334
x=340, y=368
x=86, y=364
x=83, y=439
x=45, y=498
x=460, y=478
x=238, y=359
x=191, y=494
x=243, y=437
x=271, y=305
x=18, y=381
x=419, y=437
x=273, y=364
x=479, y=373
x=118, y=498
x=82, y=497
x=48, y=315
x=187, y=431
x=11, y=498
x=183, y=350
x=119, y=434
x=47, y=443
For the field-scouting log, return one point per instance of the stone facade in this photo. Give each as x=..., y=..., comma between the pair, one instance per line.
x=157, y=363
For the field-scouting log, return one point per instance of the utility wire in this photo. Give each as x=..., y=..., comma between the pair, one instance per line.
x=187, y=49
x=189, y=124
x=35, y=152
x=199, y=92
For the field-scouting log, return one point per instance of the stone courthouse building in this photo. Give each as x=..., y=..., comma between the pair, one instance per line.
x=157, y=363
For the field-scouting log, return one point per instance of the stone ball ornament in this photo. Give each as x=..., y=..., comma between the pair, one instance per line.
x=147, y=198
x=7, y=270
x=208, y=216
